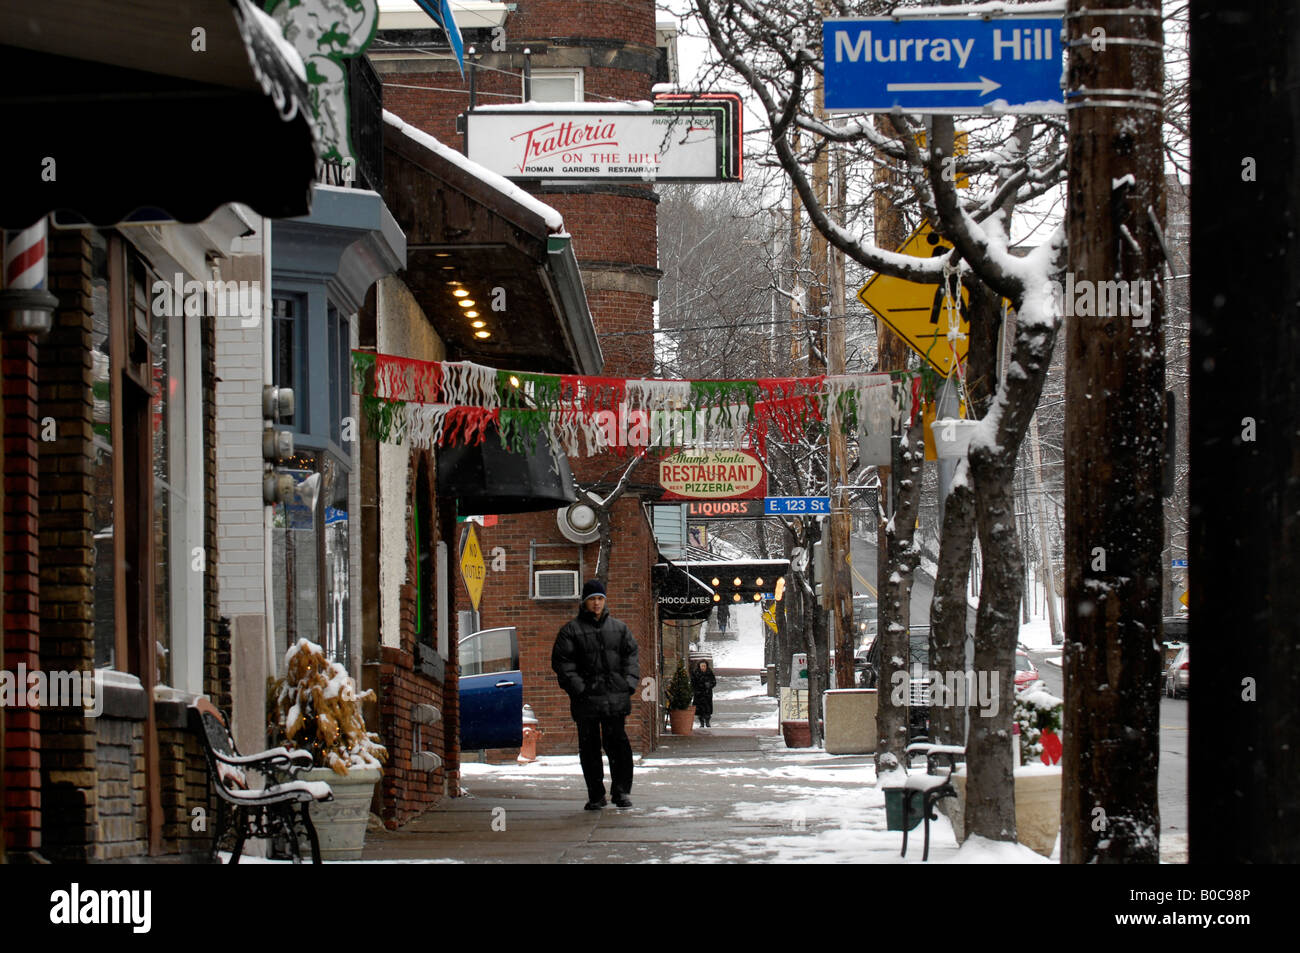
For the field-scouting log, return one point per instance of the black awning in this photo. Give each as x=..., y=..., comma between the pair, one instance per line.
x=98, y=125
x=487, y=478
x=681, y=594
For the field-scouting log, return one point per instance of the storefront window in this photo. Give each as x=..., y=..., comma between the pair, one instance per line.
x=101, y=456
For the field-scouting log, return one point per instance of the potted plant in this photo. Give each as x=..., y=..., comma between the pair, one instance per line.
x=680, y=696
x=316, y=708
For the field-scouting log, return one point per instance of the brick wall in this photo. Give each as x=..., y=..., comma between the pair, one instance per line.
x=404, y=791
x=69, y=790
x=236, y=448
x=506, y=602
x=119, y=765
x=21, y=627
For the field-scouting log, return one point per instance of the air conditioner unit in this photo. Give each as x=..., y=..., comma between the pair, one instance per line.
x=556, y=584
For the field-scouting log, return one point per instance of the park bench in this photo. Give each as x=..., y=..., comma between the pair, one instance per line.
x=244, y=811
x=931, y=787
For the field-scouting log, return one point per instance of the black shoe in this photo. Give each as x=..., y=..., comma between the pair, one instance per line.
x=594, y=805
x=622, y=800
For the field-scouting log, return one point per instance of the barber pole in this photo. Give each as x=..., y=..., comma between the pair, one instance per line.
x=25, y=304
x=24, y=258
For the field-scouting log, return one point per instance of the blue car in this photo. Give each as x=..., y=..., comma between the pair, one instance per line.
x=491, y=690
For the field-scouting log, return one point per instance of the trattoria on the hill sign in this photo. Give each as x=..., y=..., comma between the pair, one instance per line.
x=713, y=475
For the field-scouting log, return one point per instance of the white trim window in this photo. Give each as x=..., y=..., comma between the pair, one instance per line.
x=553, y=85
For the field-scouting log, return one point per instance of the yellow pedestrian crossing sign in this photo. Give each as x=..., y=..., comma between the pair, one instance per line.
x=769, y=616
x=920, y=314
x=472, y=568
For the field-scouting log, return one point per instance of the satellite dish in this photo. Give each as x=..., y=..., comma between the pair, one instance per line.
x=578, y=523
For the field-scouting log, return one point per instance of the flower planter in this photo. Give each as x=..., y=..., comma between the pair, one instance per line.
x=1038, y=807
x=797, y=734
x=952, y=436
x=682, y=720
x=341, y=823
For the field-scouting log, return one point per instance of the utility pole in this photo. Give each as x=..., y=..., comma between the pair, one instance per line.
x=839, y=579
x=1114, y=434
x=818, y=361
x=1244, y=752
x=1045, y=554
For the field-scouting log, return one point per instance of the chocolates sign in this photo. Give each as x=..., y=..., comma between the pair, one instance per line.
x=712, y=474
x=609, y=144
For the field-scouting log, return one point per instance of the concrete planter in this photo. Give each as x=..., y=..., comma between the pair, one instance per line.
x=850, y=715
x=1038, y=807
x=341, y=823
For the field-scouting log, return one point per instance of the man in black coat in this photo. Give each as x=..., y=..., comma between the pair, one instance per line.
x=595, y=661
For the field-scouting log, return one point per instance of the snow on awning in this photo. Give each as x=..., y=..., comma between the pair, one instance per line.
x=554, y=221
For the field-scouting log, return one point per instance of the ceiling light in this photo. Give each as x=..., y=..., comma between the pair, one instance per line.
x=466, y=302
x=757, y=596
x=441, y=254
x=461, y=293
x=736, y=581
x=736, y=597
x=715, y=580
x=717, y=598
x=478, y=324
x=471, y=314
x=758, y=581
x=482, y=334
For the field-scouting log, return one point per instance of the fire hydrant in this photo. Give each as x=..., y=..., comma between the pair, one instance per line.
x=528, y=751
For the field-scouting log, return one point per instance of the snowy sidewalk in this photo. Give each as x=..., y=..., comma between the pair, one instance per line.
x=730, y=794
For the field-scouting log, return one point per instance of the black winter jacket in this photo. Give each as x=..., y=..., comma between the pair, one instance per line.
x=595, y=661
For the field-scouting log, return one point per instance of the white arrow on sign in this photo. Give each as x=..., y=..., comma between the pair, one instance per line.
x=985, y=86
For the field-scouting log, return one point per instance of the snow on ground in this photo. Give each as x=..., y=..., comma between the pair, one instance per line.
x=744, y=652
x=1037, y=633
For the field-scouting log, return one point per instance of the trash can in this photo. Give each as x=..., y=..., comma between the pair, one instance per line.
x=894, y=810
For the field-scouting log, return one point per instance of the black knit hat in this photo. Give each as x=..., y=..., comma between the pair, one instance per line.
x=592, y=587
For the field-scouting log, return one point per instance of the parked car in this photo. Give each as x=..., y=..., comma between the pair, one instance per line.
x=1026, y=672
x=918, y=660
x=491, y=690
x=1178, y=673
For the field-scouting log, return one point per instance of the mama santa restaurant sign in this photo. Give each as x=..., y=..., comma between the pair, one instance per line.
x=712, y=475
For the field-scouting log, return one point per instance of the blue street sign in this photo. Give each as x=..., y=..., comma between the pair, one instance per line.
x=955, y=64
x=797, y=505
x=1179, y=564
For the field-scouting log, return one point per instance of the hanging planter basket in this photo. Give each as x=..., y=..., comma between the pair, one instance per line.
x=952, y=436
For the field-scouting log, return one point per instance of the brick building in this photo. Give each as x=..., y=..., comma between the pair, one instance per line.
x=577, y=51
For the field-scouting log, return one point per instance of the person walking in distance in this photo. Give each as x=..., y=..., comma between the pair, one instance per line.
x=702, y=681
x=595, y=661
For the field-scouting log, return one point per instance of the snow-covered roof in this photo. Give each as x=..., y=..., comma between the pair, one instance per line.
x=554, y=221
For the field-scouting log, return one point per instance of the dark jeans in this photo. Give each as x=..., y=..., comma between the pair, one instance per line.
x=617, y=747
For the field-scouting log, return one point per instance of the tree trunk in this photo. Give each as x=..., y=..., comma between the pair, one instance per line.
x=948, y=609
x=948, y=606
x=895, y=595
x=990, y=786
x=1114, y=429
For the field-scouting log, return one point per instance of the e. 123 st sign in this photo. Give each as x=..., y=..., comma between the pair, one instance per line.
x=944, y=64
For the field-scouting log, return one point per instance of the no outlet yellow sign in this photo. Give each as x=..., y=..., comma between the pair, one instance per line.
x=472, y=568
